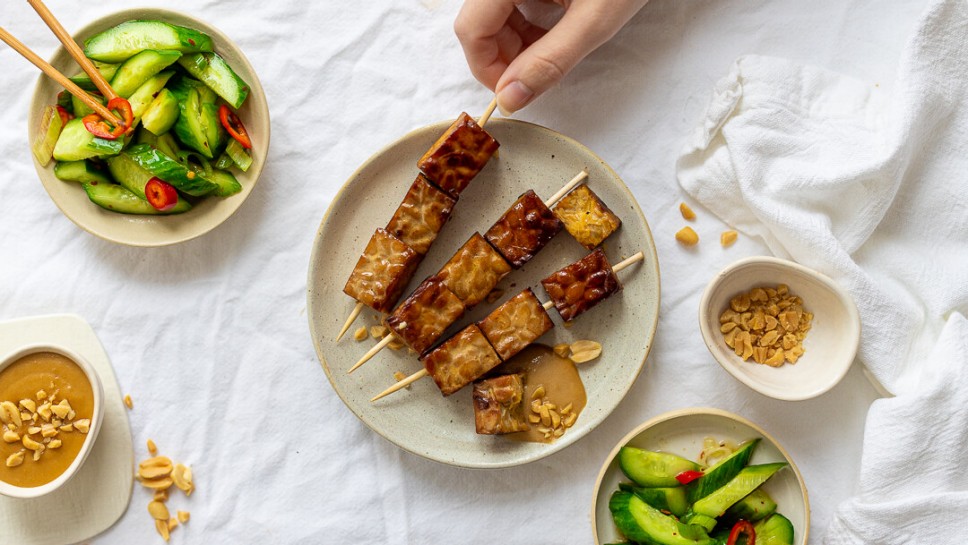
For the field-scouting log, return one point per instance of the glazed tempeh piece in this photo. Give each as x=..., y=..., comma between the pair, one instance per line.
x=581, y=285
x=382, y=271
x=497, y=405
x=474, y=270
x=458, y=155
x=516, y=324
x=586, y=217
x=419, y=218
x=524, y=229
x=460, y=360
x=423, y=316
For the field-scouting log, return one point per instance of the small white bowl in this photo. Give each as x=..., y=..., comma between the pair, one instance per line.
x=681, y=433
x=20, y=492
x=829, y=346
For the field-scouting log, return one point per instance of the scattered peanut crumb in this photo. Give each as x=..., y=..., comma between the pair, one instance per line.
x=152, y=449
x=728, y=238
x=128, y=403
x=585, y=351
x=398, y=376
x=360, y=334
x=687, y=237
x=159, y=474
x=687, y=213
x=378, y=331
x=183, y=516
x=767, y=325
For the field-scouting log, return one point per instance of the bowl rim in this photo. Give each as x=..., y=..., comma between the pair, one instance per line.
x=697, y=411
x=847, y=304
x=255, y=87
x=97, y=388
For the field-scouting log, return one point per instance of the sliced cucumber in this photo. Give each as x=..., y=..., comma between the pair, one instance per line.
x=240, y=156
x=215, y=133
x=746, y=481
x=190, y=127
x=75, y=143
x=226, y=182
x=80, y=171
x=757, y=505
x=170, y=170
x=218, y=75
x=718, y=475
x=776, y=530
x=140, y=68
x=668, y=499
x=107, y=71
x=80, y=109
x=706, y=523
x=647, y=468
x=124, y=41
x=643, y=523
x=145, y=95
x=118, y=199
x=129, y=174
x=161, y=114
x=48, y=134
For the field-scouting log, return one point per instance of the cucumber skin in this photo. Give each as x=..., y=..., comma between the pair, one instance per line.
x=718, y=475
x=219, y=76
x=129, y=174
x=190, y=126
x=226, y=182
x=716, y=504
x=75, y=143
x=624, y=507
x=79, y=171
x=775, y=530
x=671, y=499
x=653, y=469
x=170, y=170
x=140, y=68
x=755, y=506
x=119, y=43
x=118, y=199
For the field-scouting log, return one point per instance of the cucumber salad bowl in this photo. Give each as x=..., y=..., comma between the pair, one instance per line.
x=200, y=130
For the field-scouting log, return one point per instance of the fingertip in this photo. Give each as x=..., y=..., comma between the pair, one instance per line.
x=513, y=96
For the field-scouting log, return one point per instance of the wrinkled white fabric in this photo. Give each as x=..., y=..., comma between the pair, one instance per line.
x=210, y=337
x=868, y=188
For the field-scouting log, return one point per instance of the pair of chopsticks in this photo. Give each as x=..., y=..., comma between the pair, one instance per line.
x=75, y=52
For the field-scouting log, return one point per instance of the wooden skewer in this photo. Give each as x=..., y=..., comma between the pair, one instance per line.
x=349, y=321
x=61, y=79
x=561, y=193
x=639, y=256
x=75, y=50
x=488, y=112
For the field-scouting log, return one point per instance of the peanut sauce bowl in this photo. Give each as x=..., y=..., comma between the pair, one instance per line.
x=830, y=344
x=152, y=231
x=418, y=418
x=683, y=433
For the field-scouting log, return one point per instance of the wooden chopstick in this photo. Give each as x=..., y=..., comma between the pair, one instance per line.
x=75, y=50
x=52, y=72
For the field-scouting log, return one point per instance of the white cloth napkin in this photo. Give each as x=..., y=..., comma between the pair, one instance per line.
x=871, y=188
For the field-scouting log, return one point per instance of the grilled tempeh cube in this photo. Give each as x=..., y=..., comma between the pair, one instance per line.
x=516, y=324
x=474, y=270
x=581, y=285
x=423, y=316
x=458, y=155
x=460, y=360
x=524, y=229
x=586, y=217
x=497, y=405
x=421, y=215
x=382, y=272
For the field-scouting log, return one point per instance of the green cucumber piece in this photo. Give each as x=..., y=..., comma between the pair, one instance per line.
x=226, y=182
x=755, y=506
x=107, y=71
x=718, y=475
x=240, y=156
x=80, y=109
x=170, y=170
x=224, y=162
x=118, y=199
x=746, y=481
x=129, y=174
x=776, y=530
x=218, y=75
x=215, y=133
x=48, y=134
x=75, y=143
x=126, y=40
x=190, y=127
x=66, y=100
x=643, y=523
x=80, y=171
x=671, y=499
x=704, y=522
x=164, y=143
x=161, y=114
x=145, y=95
x=140, y=68
x=652, y=469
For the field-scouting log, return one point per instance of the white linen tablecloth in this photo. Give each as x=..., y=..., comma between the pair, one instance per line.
x=210, y=337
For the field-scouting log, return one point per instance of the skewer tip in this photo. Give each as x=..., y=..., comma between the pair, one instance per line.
x=372, y=352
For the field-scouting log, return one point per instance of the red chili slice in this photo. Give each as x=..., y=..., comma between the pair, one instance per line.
x=687, y=477
x=97, y=126
x=234, y=126
x=64, y=114
x=742, y=528
x=161, y=195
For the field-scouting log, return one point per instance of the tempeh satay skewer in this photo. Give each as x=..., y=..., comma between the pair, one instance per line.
x=515, y=259
x=639, y=256
x=449, y=181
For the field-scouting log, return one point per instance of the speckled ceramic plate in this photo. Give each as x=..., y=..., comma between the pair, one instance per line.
x=681, y=433
x=133, y=230
x=419, y=419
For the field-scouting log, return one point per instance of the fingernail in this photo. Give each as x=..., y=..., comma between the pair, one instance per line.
x=513, y=97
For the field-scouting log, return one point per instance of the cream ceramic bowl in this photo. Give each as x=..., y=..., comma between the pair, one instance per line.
x=830, y=345
x=681, y=433
x=133, y=230
x=96, y=418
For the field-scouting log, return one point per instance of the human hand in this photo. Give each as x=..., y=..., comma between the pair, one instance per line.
x=519, y=60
